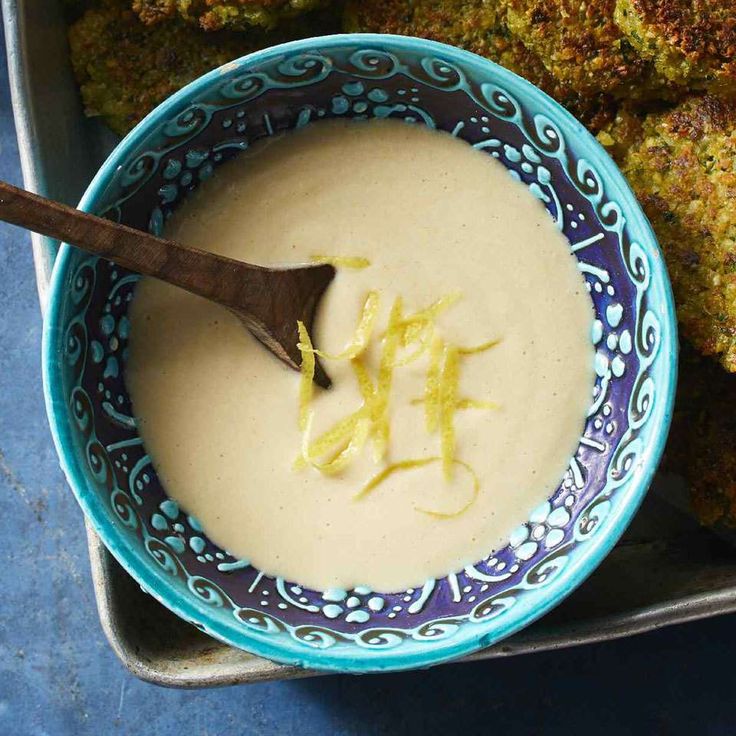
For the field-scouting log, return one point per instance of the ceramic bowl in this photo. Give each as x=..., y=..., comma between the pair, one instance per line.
x=181, y=144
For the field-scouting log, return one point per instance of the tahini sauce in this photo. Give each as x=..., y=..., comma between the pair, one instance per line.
x=218, y=414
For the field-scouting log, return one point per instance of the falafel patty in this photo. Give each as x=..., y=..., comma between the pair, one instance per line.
x=624, y=131
x=682, y=171
x=478, y=26
x=125, y=68
x=217, y=15
x=579, y=43
x=691, y=42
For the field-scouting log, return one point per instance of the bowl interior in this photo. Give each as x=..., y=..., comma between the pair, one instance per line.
x=180, y=145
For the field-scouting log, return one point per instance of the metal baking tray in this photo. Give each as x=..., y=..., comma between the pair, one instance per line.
x=665, y=570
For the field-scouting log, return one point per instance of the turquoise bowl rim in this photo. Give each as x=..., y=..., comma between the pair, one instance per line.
x=475, y=636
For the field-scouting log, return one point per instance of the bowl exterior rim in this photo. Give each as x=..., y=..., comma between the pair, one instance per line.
x=478, y=635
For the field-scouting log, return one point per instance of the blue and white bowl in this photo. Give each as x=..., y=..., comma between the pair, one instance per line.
x=181, y=144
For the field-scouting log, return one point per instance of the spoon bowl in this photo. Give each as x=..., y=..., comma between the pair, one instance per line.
x=268, y=301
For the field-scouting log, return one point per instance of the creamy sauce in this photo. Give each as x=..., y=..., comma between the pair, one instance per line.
x=218, y=414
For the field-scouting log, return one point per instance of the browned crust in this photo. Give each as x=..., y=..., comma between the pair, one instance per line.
x=479, y=27
x=701, y=116
x=125, y=67
x=698, y=28
x=467, y=23
x=683, y=174
x=625, y=130
x=692, y=43
x=579, y=43
x=154, y=11
x=216, y=15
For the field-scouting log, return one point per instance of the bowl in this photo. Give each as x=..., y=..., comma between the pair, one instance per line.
x=181, y=144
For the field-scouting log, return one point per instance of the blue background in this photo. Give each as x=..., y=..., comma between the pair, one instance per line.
x=58, y=676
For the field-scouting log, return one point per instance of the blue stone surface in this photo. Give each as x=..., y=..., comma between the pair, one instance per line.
x=58, y=676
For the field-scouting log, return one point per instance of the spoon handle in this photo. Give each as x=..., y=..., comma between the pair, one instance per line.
x=213, y=277
x=269, y=301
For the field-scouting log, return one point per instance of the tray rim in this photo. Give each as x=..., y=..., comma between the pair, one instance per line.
x=44, y=249
x=606, y=628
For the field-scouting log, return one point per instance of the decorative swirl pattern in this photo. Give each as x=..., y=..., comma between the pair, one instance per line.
x=75, y=345
x=99, y=465
x=259, y=620
x=139, y=170
x=648, y=334
x=82, y=284
x=82, y=411
x=124, y=509
x=546, y=137
x=317, y=637
x=438, y=629
x=185, y=125
x=372, y=64
x=624, y=459
x=592, y=517
x=163, y=556
x=493, y=607
x=525, y=134
x=439, y=74
x=499, y=102
x=381, y=638
x=243, y=88
x=590, y=184
x=207, y=591
x=642, y=401
x=550, y=566
x=611, y=216
x=636, y=262
x=306, y=68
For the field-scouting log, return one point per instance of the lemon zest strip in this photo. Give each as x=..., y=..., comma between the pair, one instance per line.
x=382, y=392
x=436, y=308
x=422, y=336
x=388, y=471
x=352, y=433
x=354, y=262
x=432, y=385
x=340, y=432
x=365, y=384
x=447, y=405
x=373, y=406
x=348, y=436
x=306, y=384
x=476, y=404
x=463, y=509
x=465, y=404
x=413, y=324
x=479, y=348
x=362, y=335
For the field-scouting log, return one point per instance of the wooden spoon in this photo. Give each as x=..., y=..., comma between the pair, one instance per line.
x=268, y=301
